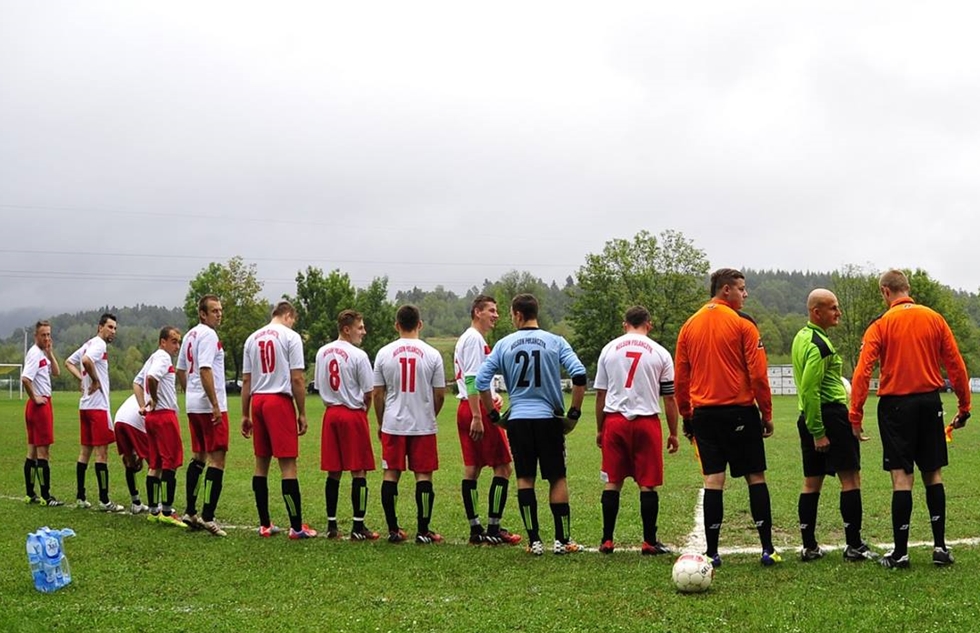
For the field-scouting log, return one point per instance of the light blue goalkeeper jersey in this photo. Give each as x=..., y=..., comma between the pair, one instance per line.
x=531, y=361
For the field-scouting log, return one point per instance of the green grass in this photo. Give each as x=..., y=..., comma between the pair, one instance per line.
x=131, y=575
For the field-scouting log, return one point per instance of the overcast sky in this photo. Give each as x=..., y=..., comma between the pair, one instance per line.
x=446, y=143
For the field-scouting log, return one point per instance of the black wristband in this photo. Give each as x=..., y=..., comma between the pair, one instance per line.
x=573, y=413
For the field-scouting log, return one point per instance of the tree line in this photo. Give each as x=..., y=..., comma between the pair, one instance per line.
x=666, y=272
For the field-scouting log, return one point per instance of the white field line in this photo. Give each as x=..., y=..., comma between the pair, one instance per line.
x=695, y=540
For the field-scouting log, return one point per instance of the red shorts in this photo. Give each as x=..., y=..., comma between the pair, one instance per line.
x=166, y=447
x=632, y=448
x=130, y=440
x=274, y=431
x=345, y=441
x=492, y=450
x=40, y=423
x=94, y=427
x=422, y=452
x=205, y=436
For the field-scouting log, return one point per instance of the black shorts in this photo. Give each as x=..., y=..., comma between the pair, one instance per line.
x=912, y=434
x=845, y=449
x=729, y=436
x=537, y=441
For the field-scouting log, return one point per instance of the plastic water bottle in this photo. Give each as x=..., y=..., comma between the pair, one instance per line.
x=49, y=565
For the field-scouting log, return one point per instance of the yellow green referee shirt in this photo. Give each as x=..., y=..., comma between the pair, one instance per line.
x=817, y=374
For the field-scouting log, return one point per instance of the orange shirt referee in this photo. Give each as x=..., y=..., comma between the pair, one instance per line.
x=722, y=391
x=910, y=341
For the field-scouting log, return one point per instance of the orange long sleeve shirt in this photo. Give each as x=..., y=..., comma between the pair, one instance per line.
x=910, y=341
x=720, y=360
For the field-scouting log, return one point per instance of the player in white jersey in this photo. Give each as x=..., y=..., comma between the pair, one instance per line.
x=483, y=443
x=40, y=365
x=409, y=391
x=90, y=365
x=158, y=402
x=345, y=381
x=132, y=443
x=274, y=413
x=632, y=375
x=201, y=374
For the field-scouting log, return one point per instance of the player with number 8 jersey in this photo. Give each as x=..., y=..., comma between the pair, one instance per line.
x=345, y=381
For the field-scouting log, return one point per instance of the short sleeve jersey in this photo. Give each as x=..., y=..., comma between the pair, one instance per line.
x=129, y=413
x=634, y=371
x=531, y=361
x=37, y=369
x=201, y=348
x=271, y=353
x=95, y=349
x=409, y=370
x=471, y=350
x=343, y=374
x=160, y=366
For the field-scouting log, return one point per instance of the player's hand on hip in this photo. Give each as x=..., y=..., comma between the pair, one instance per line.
x=246, y=428
x=301, y=424
x=94, y=386
x=767, y=428
x=476, y=429
x=40, y=400
x=672, y=444
x=822, y=445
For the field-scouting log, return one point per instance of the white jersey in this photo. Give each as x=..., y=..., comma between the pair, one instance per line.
x=37, y=369
x=95, y=348
x=129, y=413
x=409, y=370
x=343, y=374
x=270, y=354
x=161, y=367
x=471, y=350
x=201, y=348
x=635, y=371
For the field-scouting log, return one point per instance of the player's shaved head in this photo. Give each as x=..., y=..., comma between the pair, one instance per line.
x=895, y=280
x=819, y=297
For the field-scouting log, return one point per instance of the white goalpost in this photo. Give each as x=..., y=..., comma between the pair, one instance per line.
x=10, y=374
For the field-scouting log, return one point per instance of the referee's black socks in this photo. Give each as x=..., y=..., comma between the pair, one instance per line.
x=807, y=511
x=936, y=502
x=714, y=512
x=761, y=509
x=901, y=516
x=851, y=512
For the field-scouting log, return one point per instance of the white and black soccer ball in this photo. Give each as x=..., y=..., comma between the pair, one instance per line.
x=692, y=573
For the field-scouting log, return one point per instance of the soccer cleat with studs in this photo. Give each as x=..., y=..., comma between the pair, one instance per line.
x=332, y=533
x=426, y=538
x=52, y=502
x=859, y=554
x=770, y=558
x=305, y=532
x=268, y=531
x=397, y=536
x=890, y=561
x=213, y=528
x=942, y=557
x=172, y=519
x=810, y=554
x=535, y=548
x=607, y=547
x=82, y=504
x=715, y=560
x=31, y=499
x=655, y=549
x=193, y=521
x=110, y=507
x=364, y=534
x=138, y=508
x=478, y=538
x=571, y=547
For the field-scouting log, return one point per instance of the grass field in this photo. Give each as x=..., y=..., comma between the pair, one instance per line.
x=130, y=575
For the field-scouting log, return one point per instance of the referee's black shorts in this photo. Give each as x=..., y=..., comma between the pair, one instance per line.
x=911, y=429
x=844, y=453
x=538, y=441
x=729, y=436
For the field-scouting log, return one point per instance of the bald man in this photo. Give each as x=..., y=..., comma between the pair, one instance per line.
x=828, y=445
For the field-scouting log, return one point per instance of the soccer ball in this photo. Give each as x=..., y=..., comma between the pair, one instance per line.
x=692, y=573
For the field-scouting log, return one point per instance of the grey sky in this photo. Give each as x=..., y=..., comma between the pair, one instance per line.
x=446, y=143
